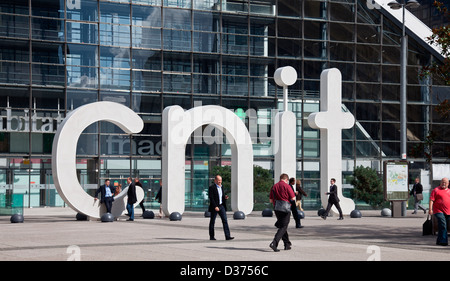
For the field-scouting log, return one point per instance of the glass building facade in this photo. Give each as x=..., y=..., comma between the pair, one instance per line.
x=56, y=55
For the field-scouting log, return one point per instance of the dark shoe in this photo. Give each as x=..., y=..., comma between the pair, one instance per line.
x=299, y=226
x=212, y=238
x=341, y=218
x=442, y=244
x=287, y=247
x=324, y=217
x=229, y=238
x=274, y=248
x=130, y=220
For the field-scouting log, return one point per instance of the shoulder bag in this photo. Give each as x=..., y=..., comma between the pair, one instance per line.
x=282, y=206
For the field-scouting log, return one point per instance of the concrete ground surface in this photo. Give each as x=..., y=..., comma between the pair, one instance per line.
x=53, y=234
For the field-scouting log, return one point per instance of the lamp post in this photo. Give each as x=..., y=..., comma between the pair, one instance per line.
x=403, y=62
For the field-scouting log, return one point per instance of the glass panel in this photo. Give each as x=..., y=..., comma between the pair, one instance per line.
x=368, y=53
x=177, y=40
x=47, y=29
x=114, y=13
x=391, y=112
x=391, y=92
x=85, y=10
x=82, y=32
x=113, y=34
x=49, y=99
x=114, y=57
x=207, y=5
x=342, y=12
x=368, y=33
x=315, y=30
x=180, y=83
x=146, y=16
x=82, y=77
x=341, y=51
x=391, y=74
x=368, y=111
x=16, y=97
x=341, y=31
x=14, y=7
x=315, y=9
x=113, y=78
x=14, y=26
x=146, y=37
x=146, y=59
x=83, y=55
x=368, y=91
x=47, y=8
x=206, y=42
x=368, y=131
x=147, y=81
x=77, y=98
x=44, y=74
x=14, y=50
x=368, y=72
x=290, y=8
x=206, y=84
x=177, y=19
x=289, y=48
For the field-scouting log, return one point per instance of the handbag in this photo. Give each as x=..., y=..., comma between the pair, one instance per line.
x=427, y=227
x=282, y=206
x=419, y=196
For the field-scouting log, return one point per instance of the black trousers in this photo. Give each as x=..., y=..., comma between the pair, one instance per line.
x=338, y=207
x=223, y=215
x=282, y=225
x=295, y=214
x=108, y=203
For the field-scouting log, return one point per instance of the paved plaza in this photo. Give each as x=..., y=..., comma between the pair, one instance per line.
x=54, y=234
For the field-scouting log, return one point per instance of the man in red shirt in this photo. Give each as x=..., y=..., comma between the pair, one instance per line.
x=283, y=193
x=440, y=207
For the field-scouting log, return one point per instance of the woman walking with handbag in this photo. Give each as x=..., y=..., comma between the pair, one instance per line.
x=280, y=196
x=416, y=191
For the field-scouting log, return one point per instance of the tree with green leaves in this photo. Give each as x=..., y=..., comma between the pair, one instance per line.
x=368, y=186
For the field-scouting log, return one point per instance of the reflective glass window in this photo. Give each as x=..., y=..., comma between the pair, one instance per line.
x=146, y=37
x=146, y=16
x=84, y=10
x=83, y=55
x=14, y=7
x=45, y=8
x=14, y=26
x=78, y=32
x=82, y=77
x=315, y=9
x=115, y=35
x=14, y=50
x=290, y=8
x=116, y=13
x=177, y=19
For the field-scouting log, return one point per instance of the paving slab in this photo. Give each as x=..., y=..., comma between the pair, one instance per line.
x=54, y=234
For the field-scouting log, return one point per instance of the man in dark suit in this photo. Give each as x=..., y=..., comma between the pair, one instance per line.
x=217, y=205
x=107, y=192
x=333, y=200
x=131, y=193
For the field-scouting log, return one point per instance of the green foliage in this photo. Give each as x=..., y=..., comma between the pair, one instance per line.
x=262, y=178
x=368, y=186
x=262, y=183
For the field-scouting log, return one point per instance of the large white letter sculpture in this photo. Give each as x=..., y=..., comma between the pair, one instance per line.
x=284, y=139
x=331, y=120
x=64, y=155
x=177, y=127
